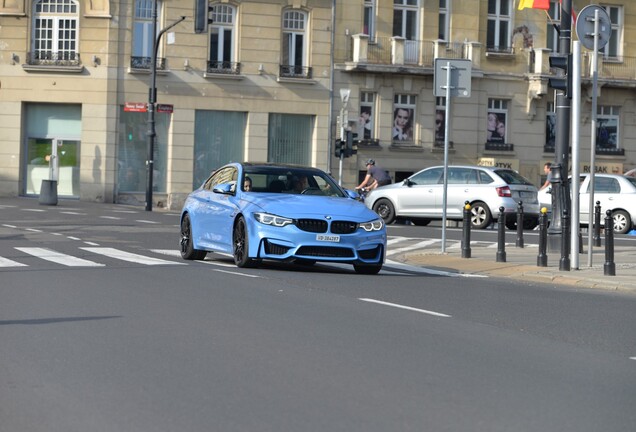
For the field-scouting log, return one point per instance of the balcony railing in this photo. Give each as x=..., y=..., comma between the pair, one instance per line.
x=49, y=58
x=145, y=63
x=293, y=71
x=224, y=67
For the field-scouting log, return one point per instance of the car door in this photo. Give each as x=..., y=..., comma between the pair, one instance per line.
x=606, y=191
x=418, y=196
x=461, y=182
x=214, y=215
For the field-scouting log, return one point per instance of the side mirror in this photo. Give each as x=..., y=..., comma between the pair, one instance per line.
x=352, y=194
x=225, y=188
x=407, y=182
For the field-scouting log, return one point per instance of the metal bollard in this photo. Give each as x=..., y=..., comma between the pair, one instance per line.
x=542, y=258
x=596, y=240
x=519, y=243
x=501, y=236
x=466, y=231
x=609, y=268
x=564, y=263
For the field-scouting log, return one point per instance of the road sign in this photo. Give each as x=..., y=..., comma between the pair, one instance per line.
x=585, y=26
x=460, y=80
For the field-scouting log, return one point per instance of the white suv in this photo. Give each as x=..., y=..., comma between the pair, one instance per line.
x=419, y=198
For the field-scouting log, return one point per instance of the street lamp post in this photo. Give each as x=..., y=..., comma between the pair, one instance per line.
x=152, y=100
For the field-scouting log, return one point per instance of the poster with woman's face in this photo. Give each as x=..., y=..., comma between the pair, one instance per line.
x=403, y=124
x=496, y=128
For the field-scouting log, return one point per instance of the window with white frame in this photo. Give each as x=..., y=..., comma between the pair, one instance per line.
x=366, y=124
x=440, y=119
x=554, y=21
x=614, y=47
x=444, y=20
x=497, y=117
x=294, y=55
x=499, y=36
x=143, y=38
x=55, y=31
x=222, y=38
x=403, y=117
x=607, y=122
x=405, y=24
x=369, y=19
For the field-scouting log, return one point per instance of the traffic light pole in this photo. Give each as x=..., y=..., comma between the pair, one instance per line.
x=560, y=193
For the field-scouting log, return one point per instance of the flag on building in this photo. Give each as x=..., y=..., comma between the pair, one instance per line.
x=534, y=4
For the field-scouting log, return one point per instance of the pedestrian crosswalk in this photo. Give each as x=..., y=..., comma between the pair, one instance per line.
x=95, y=256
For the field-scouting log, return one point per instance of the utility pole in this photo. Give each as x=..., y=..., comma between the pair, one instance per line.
x=152, y=100
x=560, y=193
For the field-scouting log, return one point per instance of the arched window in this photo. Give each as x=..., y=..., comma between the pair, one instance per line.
x=294, y=51
x=55, y=32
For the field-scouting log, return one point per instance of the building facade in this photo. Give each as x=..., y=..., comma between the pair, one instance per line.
x=261, y=80
x=385, y=56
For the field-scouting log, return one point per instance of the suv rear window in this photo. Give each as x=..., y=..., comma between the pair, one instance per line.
x=512, y=177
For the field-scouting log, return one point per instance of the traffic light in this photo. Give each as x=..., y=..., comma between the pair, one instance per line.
x=351, y=144
x=339, y=148
x=563, y=82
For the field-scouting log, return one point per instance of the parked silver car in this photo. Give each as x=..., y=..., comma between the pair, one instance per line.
x=419, y=198
x=615, y=192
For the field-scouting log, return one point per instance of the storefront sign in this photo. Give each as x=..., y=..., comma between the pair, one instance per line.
x=603, y=168
x=499, y=163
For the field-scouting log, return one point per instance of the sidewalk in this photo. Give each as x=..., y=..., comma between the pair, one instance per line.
x=521, y=264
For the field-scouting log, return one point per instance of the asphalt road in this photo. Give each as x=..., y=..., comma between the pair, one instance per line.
x=146, y=342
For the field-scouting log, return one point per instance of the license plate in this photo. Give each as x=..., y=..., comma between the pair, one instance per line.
x=327, y=238
x=525, y=194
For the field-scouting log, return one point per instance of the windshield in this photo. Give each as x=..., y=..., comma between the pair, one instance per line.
x=291, y=181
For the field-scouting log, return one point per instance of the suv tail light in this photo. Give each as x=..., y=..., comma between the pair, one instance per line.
x=504, y=191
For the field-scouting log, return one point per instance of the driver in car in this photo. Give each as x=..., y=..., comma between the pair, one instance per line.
x=299, y=184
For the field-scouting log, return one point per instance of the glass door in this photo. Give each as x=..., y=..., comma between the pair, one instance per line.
x=52, y=159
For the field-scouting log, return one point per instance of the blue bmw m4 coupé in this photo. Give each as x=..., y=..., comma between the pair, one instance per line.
x=296, y=214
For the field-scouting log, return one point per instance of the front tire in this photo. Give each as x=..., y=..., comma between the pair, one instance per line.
x=385, y=209
x=240, y=243
x=480, y=215
x=188, y=252
x=622, y=222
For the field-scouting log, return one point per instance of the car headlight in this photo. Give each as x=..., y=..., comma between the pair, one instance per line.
x=374, y=225
x=270, y=219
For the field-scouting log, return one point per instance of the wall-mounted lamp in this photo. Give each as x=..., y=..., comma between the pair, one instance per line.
x=261, y=69
x=14, y=58
x=186, y=64
x=95, y=60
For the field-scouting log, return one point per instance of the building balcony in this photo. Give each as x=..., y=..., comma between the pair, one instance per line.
x=293, y=71
x=417, y=56
x=144, y=63
x=223, y=67
x=50, y=58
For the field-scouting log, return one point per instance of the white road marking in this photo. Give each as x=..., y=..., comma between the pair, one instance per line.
x=33, y=230
x=111, y=217
x=34, y=210
x=430, y=271
x=418, y=245
x=169, y=252
x=91, y=243
x=9, y=226
x=393, y=240
x=57, y=257
x=73, y=213
x=125, y=211
x=146, y=221
x=236, y=273
x=395, y=305
x=6, y=262
x=73, y=238
x=129, y=257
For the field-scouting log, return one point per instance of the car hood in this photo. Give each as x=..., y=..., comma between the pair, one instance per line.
x=308, y=206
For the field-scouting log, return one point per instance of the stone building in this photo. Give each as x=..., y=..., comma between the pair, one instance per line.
x=262, y=81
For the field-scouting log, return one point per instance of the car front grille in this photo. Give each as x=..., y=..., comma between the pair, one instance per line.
x=321, y=226
x=325, y=251
x=274, y=249
x=370, y=254
x=343, y=227
x=312, y=225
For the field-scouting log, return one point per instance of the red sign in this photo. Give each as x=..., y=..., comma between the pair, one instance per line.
x=135, y=107
x=165, y=108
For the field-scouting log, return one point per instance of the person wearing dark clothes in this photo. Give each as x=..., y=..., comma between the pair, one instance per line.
x=375, y=177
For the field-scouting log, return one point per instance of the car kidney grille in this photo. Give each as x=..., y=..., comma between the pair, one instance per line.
x=312, y=225
x=343, y=227
x=325, y=251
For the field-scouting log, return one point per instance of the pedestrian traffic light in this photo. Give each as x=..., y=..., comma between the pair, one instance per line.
x=351, y=143
x=564, y=81
x=339, y=148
